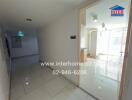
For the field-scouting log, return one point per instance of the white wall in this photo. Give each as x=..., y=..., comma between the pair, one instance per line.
x=4, y=78
x=55, y=43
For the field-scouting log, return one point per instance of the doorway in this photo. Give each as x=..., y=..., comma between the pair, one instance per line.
x=102, y=47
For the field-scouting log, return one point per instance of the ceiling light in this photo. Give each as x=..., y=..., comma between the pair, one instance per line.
x=95, y=18
x=28, y=19
x=27, y=83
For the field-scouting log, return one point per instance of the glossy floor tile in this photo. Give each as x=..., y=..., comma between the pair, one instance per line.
x=38, y=83
x=103, y=77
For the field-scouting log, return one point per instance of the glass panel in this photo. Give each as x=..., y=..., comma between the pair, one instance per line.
x=104, y=40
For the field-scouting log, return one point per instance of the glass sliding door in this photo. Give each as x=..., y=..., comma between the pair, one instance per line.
x=104, y=39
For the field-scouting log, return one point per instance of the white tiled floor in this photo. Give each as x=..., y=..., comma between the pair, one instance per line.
x=28, y=60
x=43, y=85
x=103, y=77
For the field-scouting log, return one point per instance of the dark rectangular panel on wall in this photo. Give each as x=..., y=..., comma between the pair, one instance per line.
x=16, y=42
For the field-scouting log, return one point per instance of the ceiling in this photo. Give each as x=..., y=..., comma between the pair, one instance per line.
x=14, y=12
x=103, y=13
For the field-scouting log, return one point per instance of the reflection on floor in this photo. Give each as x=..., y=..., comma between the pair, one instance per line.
x=38, y=83
x=103, y=77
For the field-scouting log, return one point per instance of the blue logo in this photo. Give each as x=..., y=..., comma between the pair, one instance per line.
x=117, y=10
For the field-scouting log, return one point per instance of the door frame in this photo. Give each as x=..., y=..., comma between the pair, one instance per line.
x=124, y=77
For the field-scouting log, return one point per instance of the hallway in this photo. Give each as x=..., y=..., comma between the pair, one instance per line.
x=38, y=83
x=62, y=35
